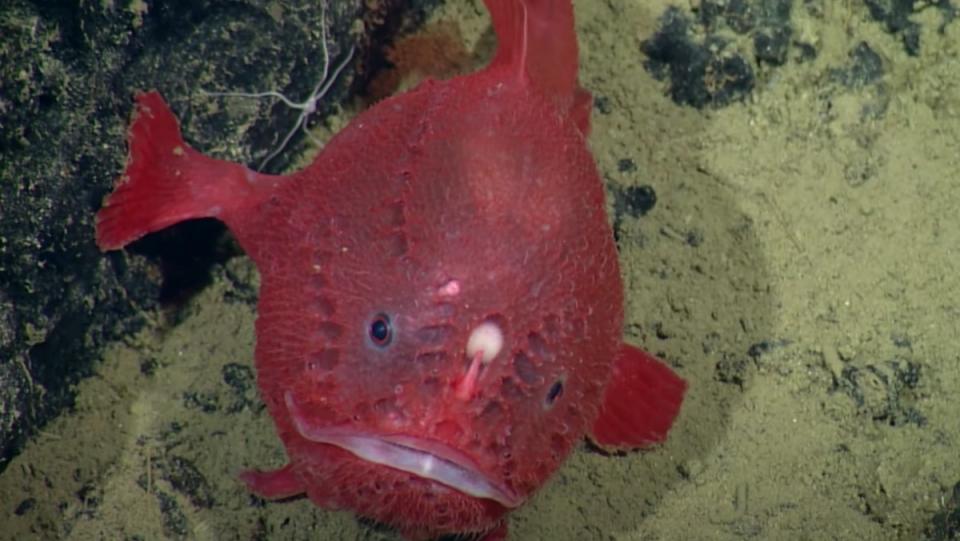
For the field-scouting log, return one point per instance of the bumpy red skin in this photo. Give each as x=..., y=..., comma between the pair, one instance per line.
x=460, y=202
x=475, y=180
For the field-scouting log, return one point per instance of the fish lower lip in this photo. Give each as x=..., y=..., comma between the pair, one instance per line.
x=424, y=458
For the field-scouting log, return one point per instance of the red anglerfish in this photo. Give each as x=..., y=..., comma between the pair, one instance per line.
x=441, y=309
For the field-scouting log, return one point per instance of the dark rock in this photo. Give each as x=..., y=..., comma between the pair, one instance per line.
x=206, y=402
x=25, y=506
x=602, y=104
x=700, y=73
x=737, y=14
x=632, y=201
x=771, y=45
x=763, y=347
x=68, y=73
x=148, y=366
x=242, y=383
x=895, y=16
x=884, y=392
x=945, y=525
x=693, y=238
x=732, y=369
x=866, y=67
x=186, y=479
x=635, y=201
x=175, y=525
x=767, y=20
x=806, y=52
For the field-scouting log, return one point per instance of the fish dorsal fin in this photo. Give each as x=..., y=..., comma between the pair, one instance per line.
x=537, y=38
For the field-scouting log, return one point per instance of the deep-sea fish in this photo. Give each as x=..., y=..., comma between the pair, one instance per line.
x=441, y=310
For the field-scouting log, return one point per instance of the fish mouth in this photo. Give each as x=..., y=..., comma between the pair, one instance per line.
x=425, y=458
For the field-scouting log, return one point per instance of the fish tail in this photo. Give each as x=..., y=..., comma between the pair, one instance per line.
x=166, y=181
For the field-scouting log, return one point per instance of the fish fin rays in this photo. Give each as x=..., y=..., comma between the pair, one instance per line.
x=640, y=403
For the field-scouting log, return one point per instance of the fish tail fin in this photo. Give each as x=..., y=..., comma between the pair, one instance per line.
x=166, y=181
x=640, y=403
x=537, y=37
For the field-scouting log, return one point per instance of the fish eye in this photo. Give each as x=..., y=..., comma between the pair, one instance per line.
x=380, y=331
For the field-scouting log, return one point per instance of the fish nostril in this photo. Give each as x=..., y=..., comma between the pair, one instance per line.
x=526, y=370
x=538, y=347
x=553, y=394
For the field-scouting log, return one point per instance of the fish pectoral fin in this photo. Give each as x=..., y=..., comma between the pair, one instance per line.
x=273, y=485
x=640, y=403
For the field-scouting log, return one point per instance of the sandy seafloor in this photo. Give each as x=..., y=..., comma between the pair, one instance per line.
x=799, y=268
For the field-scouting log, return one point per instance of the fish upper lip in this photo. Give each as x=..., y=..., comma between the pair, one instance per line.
x=426, y=458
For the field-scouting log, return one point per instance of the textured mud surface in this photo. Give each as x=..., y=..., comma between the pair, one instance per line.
x=783, y=179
